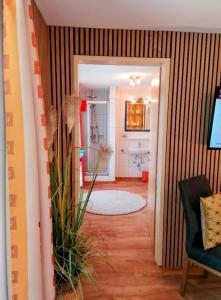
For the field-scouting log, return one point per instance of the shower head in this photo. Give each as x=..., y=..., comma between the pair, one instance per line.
x=92, y=96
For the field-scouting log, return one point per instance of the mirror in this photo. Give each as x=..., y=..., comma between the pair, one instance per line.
x=137, y=116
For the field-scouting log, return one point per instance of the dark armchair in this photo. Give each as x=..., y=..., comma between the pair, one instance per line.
x=210, y=260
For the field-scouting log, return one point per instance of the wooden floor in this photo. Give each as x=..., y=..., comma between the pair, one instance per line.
x=133, y=274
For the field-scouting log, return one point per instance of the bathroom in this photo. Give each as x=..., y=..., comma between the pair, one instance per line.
x=121, y=111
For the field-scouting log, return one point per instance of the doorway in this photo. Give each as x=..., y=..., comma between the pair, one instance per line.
x=156, y=185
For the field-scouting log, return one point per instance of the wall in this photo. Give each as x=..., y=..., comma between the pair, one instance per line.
x=195, y=71
x=127, y=164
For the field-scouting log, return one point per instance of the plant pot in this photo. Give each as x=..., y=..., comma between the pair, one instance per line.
x=69, y=296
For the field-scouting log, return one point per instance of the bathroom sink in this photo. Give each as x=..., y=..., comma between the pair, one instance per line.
x=137, y=151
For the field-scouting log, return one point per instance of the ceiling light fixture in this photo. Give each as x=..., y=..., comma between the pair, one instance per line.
x=155, y=82
x=138, y=80
x=135, y=80
x=140, y=101
x=132, y=81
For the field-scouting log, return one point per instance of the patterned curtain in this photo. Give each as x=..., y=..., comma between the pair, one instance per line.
x=31, y=265
x=3, y=211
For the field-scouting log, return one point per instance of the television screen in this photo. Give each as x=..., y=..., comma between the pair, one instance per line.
x=215, y=127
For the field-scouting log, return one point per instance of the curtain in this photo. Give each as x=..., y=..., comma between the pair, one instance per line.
x=31, y=266
x=3, y=212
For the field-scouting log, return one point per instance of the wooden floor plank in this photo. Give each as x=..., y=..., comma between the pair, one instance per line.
x=133, y=274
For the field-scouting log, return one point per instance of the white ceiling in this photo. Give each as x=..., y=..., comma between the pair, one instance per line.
x=178, y=15
x=112, y=75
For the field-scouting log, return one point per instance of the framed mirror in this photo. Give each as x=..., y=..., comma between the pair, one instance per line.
x=137, y=116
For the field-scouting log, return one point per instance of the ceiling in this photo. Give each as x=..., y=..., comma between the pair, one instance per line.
x=177, y=15
x=113, y=75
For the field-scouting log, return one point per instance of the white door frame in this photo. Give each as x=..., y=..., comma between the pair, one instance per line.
x=164, y=64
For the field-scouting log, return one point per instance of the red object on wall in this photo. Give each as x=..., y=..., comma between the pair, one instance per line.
x=83, y=108
x=145, y=176
x=83, y=105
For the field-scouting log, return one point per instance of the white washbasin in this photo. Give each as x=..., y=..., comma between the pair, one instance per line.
x=137, y=151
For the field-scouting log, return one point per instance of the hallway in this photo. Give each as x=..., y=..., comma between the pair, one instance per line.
x=133, y=274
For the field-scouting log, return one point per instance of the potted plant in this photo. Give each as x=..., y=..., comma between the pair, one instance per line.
x=75, y=253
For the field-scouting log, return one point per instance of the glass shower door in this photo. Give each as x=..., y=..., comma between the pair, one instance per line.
x=97, y=133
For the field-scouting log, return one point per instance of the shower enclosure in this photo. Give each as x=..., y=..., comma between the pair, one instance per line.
x=98, y=130
x=97, y=124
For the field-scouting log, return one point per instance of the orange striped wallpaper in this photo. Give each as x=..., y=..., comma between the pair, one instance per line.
x=15, y=156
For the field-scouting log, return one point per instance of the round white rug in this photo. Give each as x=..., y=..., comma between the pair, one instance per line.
x=113, y=202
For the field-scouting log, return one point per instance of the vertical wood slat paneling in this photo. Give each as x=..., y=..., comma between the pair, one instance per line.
x=195, y=71
x=76, y=39
x=53, y=71
x=58, y=76
x=181, y=89
x=151, y=44
x=87, y=43
x=71, y=59
x=96, y=42
x=141, y=44
x=159, y=48
x=62, y=68
x=119, y=41
x=67, y=62
x=193, y=87
x=209, y=102
x=124, y=38
x=173, y=162
x=146, y=43
x=101, y=45
x=210, y=157
x=92, y=39
x=110, y=43
x=202, y=79
x=197, y=106
x=155, y=43
x=128, y=47
x=168, y=199
x=106, y=41
x=82, y=41
x=137, y=44
x=43, y=41
x=205, y=101
x=132, y=48
x=215, y=63
x=178, y=135
x=115, y=46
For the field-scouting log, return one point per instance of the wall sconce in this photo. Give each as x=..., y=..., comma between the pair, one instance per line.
x=134, y=80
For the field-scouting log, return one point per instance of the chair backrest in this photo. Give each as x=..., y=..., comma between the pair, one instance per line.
x=191, y=191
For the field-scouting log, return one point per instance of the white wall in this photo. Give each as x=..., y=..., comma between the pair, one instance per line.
x=126, y=164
